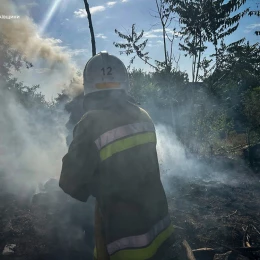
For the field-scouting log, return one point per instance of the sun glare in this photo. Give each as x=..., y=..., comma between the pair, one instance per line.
x=52, y=10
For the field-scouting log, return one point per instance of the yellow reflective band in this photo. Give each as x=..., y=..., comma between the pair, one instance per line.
x=127, y=143
x=108, y=85
x=146, y=252
x=95, y=253
x=139, y=241
x=123, y=132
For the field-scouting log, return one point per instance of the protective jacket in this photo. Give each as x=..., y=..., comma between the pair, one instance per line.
x=113, y=157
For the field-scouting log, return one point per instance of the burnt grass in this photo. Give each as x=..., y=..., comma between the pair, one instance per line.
x=215, y=215
x=207, y=213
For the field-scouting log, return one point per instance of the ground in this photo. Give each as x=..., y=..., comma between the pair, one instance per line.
x=206, y=212
x=215, y=215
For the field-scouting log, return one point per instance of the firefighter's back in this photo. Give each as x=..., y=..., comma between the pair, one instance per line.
x=127, y=183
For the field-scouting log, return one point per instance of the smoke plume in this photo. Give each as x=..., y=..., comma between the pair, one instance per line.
x=175, y=161
x=22, y=35
x=32, y=144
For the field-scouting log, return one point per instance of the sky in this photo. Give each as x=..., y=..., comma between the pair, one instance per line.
x=65, y=24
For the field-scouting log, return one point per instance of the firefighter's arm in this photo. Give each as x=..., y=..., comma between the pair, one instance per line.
x=79, y=164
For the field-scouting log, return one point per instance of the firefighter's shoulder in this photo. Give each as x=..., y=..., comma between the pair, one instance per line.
x=87, y=119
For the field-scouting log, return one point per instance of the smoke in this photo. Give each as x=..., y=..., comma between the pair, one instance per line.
x=22, y=35
x=175, y=162
x=32, y=143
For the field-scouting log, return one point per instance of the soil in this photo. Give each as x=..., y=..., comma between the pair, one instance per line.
x=208, y=214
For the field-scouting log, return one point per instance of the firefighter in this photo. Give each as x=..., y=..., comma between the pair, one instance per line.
x=113, y=158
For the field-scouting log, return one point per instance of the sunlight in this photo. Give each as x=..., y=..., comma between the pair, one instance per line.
x=52, y=10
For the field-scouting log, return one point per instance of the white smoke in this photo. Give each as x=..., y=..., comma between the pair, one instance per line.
x=176, y=162
x=32, y=143
x=22, y=35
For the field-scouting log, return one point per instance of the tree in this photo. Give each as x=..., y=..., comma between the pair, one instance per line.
x=252, y=109
x=192, y=22
x=235, y=80
x=132, y=46
x=239, y=62
x=202, y=21
x=255, y=12
x=165, y=15
x=142, y=88
x=227, y=99
x=10, y=60
x=27, y=96
x=221, y=20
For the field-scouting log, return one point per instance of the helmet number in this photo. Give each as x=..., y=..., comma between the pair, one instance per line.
x=107, y=72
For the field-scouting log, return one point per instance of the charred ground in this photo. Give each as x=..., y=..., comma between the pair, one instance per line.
x=209, y=213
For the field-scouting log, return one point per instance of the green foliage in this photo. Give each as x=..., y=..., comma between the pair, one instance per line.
x=10, y=60
x=132, y=46
x=201, y=114
x=165, y=15
x=235, y=83
x=192, y=22
x=200, y=22
x=171, y=84
x=29, y=97
x=141, y=86
x=239, y=63
x=221, y=21
x=256, y=13
x=205, y=21
x=251, y=108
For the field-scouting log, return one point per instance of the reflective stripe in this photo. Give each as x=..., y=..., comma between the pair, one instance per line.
x=141, y=253
x=123, y=131
x=141, y=240
x=144, y=253
x=108, y=85
x=126, y=143
x=95, y=253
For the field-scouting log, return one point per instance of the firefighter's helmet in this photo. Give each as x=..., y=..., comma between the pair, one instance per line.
x=105, y=72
